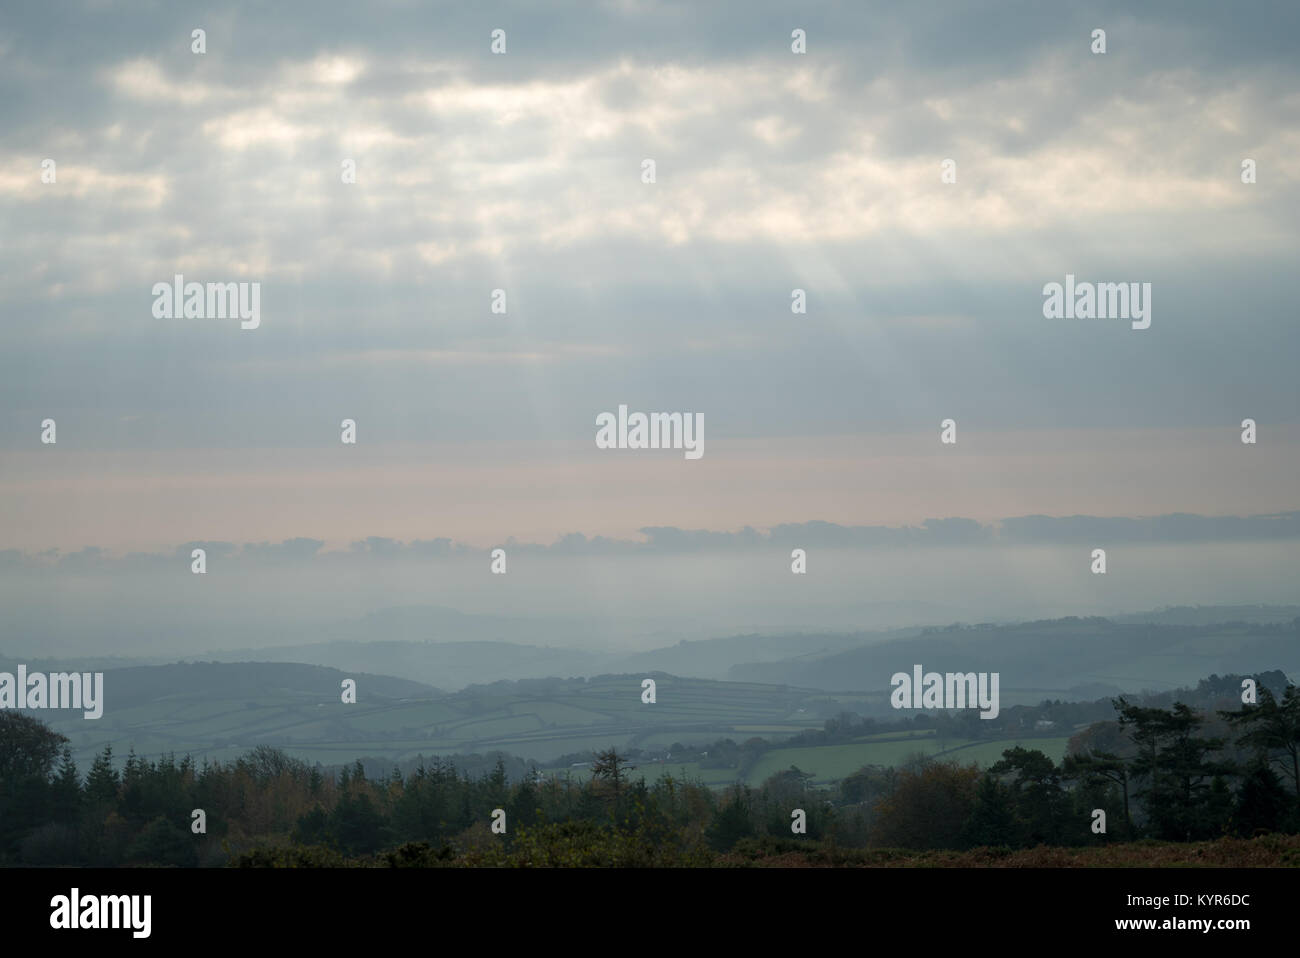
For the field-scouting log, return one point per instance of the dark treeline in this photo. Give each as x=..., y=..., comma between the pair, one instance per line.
x=1154, y=772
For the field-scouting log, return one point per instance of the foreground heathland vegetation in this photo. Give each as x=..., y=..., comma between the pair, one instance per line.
x=1153, y=775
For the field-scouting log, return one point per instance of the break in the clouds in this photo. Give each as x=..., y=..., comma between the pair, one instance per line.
x=521, y=172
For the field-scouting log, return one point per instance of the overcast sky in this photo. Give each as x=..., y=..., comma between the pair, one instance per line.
x=522, y=172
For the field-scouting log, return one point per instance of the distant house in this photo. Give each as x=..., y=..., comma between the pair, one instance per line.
x=1044, y=723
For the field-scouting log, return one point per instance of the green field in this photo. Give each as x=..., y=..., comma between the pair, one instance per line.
x=308, y=720
x=830, y=763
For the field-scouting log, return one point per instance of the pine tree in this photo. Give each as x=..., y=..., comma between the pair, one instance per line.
x=66, y=798
x=1262, y=802
x=1100, y=768
x=1174, y=761
x=1274, y=730
x=732, y=822
x=102, y=783
x=992, y=822
x=611, y=769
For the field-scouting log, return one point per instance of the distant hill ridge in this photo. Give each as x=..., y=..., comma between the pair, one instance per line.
x=1062, y=654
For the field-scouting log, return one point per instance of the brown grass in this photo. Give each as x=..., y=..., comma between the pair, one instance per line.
x=1269, y=851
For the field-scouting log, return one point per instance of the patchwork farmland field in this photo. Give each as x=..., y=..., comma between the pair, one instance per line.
x=172, y=709
x=829, y=763
x=163, y=709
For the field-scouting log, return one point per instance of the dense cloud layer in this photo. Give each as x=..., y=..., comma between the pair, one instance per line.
x=521, y=172
x=661, y=540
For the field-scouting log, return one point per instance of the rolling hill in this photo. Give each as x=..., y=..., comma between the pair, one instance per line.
x=219, y=710
x=1062, y=658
